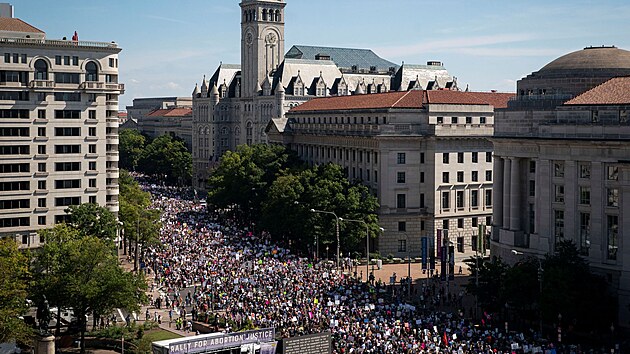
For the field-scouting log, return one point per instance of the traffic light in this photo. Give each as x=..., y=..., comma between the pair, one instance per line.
x=460, y=244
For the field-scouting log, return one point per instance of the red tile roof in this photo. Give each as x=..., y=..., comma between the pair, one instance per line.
x=496, y=99
x=17, y=25
x=171, y=112
x=122, y=114
x=613, y=91
x=405, y=99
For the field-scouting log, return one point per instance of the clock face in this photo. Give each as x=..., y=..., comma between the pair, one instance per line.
x=271, y=38
x=249, y=38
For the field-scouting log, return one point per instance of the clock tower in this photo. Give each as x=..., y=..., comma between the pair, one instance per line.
x=262, y=42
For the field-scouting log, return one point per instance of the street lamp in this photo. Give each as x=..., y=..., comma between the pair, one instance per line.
x=367, y=243
x=336, y=227
x=540, y=284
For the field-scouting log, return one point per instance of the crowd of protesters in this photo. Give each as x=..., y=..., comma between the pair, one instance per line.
x=247, y=280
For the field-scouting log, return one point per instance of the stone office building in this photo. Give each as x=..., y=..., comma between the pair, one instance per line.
x=424, y=153
x=58, y=128
x=562, y=164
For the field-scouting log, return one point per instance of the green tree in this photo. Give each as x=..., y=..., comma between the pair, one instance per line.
x=87, y=274
x=93, y=220
x=131, y=145
x=485, y=282
x=241, y=180
x=14, y=279
x=168, y=157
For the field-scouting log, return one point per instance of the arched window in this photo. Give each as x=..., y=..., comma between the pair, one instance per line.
x=278, y=19
x=41, y=70
x=224, y=130
x=264, y=14
x=91, y=71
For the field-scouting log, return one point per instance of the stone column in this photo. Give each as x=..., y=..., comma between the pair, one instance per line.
x=45, y=345
x=497, y=193
x=515, y=195
x=507, y=171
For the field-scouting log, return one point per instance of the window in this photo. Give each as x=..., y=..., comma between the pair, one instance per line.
x=41, y=131
x=445, y=157
x=41, y=113
x=91, y=71
x=421, y=177
x=558, y=169
x=475, y=221
x=421, y=200
x=400, y=177
x=613, y=173
x=474, y=198
x=558, y=216
x=67, y=166
x=400, y=158
x=67, y=149
x=15, y=150
x=453, y=120
x=16, y=58
x=68, y=131
x=558, y=193
x=421, y=225
x=460, y=157
x=460, y=223
x=67, y=183
x=7, y=57
x=488, y=175
x=585, y=232
x=532, y=167
x=421, y=157
x=474, y=175
x=585, y=170
x=75, y=61
x=532, y=218
x=41, y=70
x=66, y=60
x=16, y=222
x=468, y=120
x=445, y=224
x=482, y=120
x=92, y=199
x=41, y=167
x=612, y=228
x=67, y=201
x=475, y=157
x=532, y=188
x=92, y=131
x=460, y=199
x=488, y=197
x=68, y=96
x=401, y=201
x=92, y=149
x=67, y=78
x=41, y=220
x=402, y=226
x=488, y=156
x=375, y=176
x=92, y=182
x=41, y=184
x=585, y=195
x=57, y=59
x=15, y=186
x=612, y=197
x=111, y=62
x=446, y=200
x=402, y=245
x=60, y=219
x=440, y=120
x=15, y=168
x=14, y=204
x=67, y=114
x=445, y=177
x=14, y=132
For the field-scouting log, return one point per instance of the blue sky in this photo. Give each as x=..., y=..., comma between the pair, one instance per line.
x=168, y=45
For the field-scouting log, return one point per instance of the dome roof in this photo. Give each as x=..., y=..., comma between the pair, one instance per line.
x=591, y=58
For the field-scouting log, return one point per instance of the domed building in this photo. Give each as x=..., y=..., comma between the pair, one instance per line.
x=562, y=165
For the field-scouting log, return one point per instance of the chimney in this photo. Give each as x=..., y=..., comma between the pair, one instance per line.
x=6, y=10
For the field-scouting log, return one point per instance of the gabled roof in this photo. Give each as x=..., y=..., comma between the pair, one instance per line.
x=614, y=91
x=407, y=99
x=496, y=99
x=343, y=57
x=16, y=25
x=171, y=112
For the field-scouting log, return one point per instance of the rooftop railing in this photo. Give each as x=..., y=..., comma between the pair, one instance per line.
x=58, y=42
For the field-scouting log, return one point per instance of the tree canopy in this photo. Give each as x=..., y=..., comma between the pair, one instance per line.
x=14, y=280
x=131, y=145
x=82, y=273
x=93, y=220
x=168, y=157
x=267, y=186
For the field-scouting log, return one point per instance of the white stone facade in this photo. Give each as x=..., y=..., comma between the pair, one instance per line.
x=58, y=131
